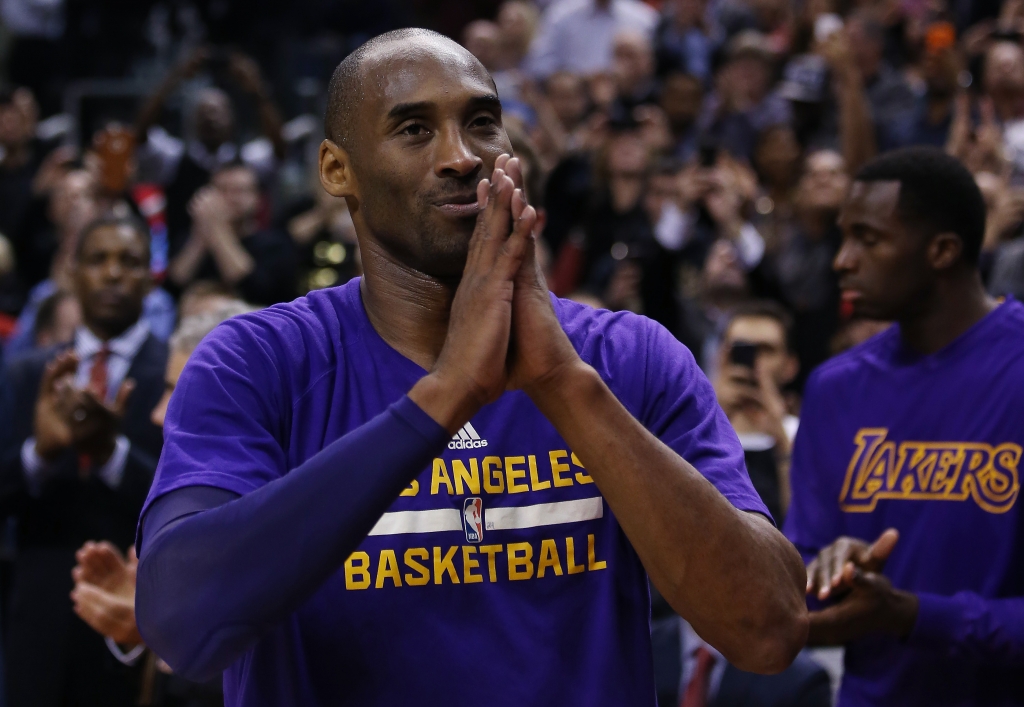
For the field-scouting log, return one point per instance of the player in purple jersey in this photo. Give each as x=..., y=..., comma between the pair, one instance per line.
x=905, y=469
x=438, y=480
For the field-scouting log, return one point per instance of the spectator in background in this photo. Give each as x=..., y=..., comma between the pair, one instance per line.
x=577, y=35
x=889, y=94
x=684, y=42
x=204, y=296
x=742, y=103
x=753, y=396
x=79, y=466
x=1003, y=79
x=104, y=593
x=227, y=244
x=720, y=285
x=633, y=72
x=75, y=201
x=517, y=20
x=798, y=271
x=19, y=162
x=184, y=166
x=324, y=239
x=57, y=319
x=681, y=98
x=930, y=121
x=624, y=260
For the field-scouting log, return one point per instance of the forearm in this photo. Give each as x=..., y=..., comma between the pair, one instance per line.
x=749, y=606
x=270, y=123
x=151, y=109
x=184, y=265
x=233, y=261
x=856, y=127
x=968, y=626
x=205, y=594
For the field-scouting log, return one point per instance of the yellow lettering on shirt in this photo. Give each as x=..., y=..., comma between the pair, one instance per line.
x=470, y=477
x=387, y=567
x=548, y=558
x=439, y=476
x=412, y=489
x=357, y=570
x=469, y=564
x=520, y=567
x=443, y=565
x=558, y=467
x=494, y=481
x=593, y=564
x=512, y=474
x=424, y=574
x=582, y=477
x=929, y=471
x=535, y=483
x=491, y=551
x=570, y=558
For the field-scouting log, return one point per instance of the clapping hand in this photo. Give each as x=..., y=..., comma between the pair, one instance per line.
x=104, y=593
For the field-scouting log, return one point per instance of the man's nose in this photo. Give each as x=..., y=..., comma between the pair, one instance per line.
x=454, y=158
x=113, y=269
x=845, y=259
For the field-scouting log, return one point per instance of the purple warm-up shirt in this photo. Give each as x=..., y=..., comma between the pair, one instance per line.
x=929, y=445
x=500, y=575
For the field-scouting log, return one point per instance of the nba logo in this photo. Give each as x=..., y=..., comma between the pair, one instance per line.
x=473, y=519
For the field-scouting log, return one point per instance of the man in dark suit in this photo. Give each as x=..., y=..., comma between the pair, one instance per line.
x=78, y=467
x=689, y=673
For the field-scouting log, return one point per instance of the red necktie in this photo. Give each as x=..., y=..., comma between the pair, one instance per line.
x=98, y=374
x=697, y=691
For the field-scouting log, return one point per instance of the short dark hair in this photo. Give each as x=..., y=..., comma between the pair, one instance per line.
x=344, y=92
x=765, y=309
x=113, y=221
x=937, y=194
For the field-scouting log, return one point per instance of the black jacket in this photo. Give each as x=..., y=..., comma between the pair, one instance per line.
x=54, y=658
x=803, y=684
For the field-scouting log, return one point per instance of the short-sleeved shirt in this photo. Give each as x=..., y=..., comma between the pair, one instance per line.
x=500, y=575
x=929, y=445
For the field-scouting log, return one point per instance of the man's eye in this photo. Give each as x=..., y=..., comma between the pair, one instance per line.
x=483, y=121
x=414, y=129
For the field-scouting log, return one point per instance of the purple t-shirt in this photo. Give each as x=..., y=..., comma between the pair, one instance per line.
x=499, y=574
x=929, y=445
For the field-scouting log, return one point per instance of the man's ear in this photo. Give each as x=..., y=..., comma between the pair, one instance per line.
x=945, y=250
x=336, y=173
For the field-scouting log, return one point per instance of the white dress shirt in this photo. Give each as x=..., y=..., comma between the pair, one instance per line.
x=122, y=350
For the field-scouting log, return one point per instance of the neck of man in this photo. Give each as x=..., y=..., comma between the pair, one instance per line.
x=105, y=331
x=954, y=307
x=409, y=309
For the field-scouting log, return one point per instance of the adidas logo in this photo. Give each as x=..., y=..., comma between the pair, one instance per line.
x=467, y=438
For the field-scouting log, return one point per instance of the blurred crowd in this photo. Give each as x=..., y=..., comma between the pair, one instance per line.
x=158, y=174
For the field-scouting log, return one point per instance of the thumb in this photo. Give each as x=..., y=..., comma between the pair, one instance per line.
x=880, y=550
x=987, y=109
x=123, y=393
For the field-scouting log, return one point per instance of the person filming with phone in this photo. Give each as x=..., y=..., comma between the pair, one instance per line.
x=755, y=364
